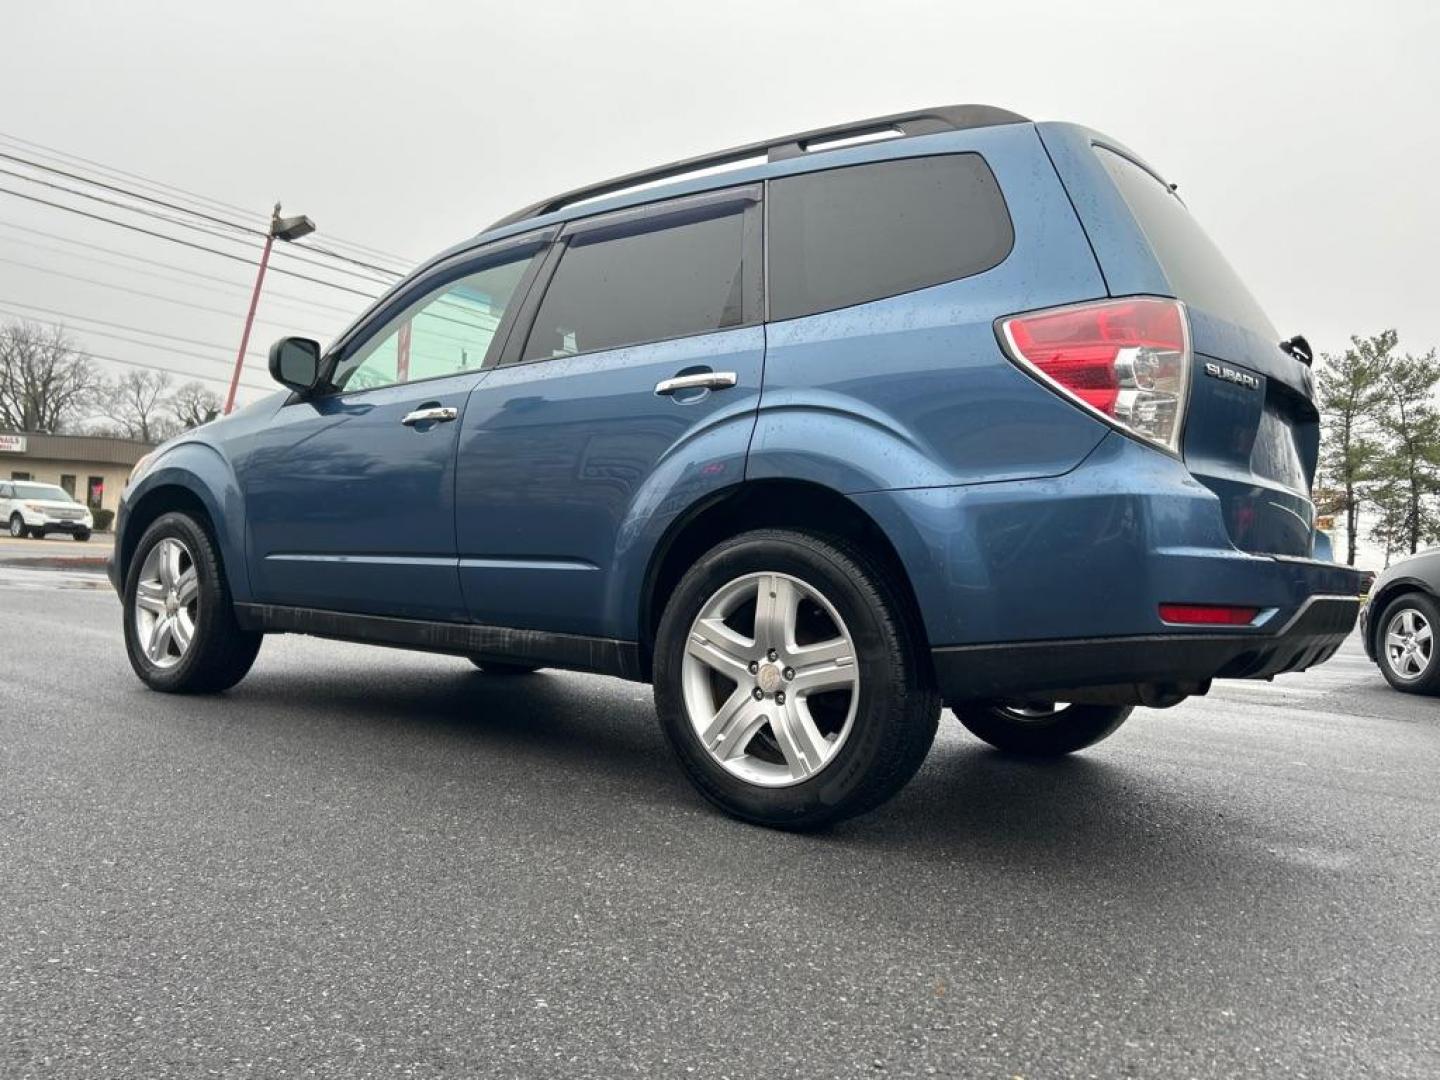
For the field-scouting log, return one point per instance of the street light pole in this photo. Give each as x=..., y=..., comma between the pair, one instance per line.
x=291, y=228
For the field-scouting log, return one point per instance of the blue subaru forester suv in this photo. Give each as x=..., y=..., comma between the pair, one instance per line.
x=816, y=434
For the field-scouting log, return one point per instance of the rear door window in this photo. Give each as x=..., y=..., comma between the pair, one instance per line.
x=1197, y=271
x=662, y=278
x=851, y=235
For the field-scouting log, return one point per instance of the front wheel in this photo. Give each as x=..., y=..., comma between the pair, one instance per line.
x=82, y=535
x=790, y=682
x=1406, y=645
x=17, y=526
x=1043, y=730
x=180, y=628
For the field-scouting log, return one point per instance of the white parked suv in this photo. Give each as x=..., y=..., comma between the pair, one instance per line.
x=36, y=509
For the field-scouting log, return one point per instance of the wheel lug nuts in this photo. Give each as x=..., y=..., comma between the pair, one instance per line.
x=779, y=697
x=772, y=654
x=789, y=673
x=759, y=694
x=754, y=666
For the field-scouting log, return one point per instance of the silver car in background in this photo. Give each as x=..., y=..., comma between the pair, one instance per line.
x=1400, y=621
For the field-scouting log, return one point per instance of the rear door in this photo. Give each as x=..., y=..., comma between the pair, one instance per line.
x=631, y=394
x=1252, y=429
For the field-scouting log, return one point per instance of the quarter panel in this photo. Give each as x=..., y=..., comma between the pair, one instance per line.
x=914, y=390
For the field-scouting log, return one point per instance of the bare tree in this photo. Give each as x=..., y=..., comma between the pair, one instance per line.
x=193, y=405
x=46, y=383
x=138, y=404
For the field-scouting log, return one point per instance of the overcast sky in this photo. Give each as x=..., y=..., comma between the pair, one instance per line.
x=1303, y=135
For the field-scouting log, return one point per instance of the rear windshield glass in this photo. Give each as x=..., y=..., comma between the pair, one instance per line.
x=1197, y=271
x=849, y=235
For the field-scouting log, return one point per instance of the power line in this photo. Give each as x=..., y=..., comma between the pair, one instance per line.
x=221, y=379
x=184, y=243
x=187, y=224
x=127, y=289
x=122, y=326
x=148, y=345
x=122, y=337
x=241, y=227
x=235, y=287
x=65, y=157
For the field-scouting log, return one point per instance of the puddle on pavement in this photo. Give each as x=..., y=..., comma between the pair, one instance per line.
x=12, y=577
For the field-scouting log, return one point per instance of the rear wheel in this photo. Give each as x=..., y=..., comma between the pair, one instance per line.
x=17, y=526
x=1041, y=730
x=180, y=627
x=491, y=667
x=82, y=535
x=789, y=682
x=1406, y=644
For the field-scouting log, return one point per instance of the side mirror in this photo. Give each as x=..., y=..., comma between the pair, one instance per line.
x=295, y=362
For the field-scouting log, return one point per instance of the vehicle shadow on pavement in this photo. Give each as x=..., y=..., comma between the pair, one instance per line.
x=573, y=725
x=1085, y=814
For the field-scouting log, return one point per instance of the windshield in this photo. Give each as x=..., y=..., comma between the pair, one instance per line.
x=48, y=492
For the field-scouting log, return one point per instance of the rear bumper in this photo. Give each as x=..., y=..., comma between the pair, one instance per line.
x=1122, y=668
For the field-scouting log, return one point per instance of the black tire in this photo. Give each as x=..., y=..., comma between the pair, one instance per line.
x=492, y=667
x=17, y=527
x=220, y=653
x=1427, y=681
x=1067, y=729
x=82, y=535
x=897, y=710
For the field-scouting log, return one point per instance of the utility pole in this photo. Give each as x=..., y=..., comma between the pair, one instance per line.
x=290, y=228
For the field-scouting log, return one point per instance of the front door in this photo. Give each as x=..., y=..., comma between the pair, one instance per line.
x=350, y=495
x=582, y=440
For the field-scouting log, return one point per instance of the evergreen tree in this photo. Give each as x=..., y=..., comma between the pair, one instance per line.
x=1351, y=396
x=1409, y=470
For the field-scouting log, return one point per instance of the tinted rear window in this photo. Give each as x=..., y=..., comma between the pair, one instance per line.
x=847, y=236
x=663, y=283
x=1198, y=272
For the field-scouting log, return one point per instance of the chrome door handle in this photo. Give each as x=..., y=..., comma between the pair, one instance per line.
x=703, y=380
x=436, y=415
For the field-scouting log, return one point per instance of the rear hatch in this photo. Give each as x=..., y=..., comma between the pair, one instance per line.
x=1251, y=430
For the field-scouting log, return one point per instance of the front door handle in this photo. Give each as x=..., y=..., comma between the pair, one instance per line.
x=438, y=414
x=703, y=380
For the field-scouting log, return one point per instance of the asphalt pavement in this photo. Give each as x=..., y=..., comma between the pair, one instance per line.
x=362, y=863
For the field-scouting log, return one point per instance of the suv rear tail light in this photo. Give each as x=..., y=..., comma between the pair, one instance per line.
x=1126, y=360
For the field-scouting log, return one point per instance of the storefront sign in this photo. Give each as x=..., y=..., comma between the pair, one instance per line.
x=12, y=444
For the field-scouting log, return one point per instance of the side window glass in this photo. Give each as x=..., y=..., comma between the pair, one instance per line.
x=445, y=332
x=665, y=282
x=864, y=232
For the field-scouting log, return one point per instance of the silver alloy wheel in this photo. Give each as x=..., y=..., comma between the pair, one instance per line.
x=17, y=526
x=1409, y=644
x=167, y=603
x=748, y=695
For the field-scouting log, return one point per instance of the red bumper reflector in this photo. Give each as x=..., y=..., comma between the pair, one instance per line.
x=1208, y=614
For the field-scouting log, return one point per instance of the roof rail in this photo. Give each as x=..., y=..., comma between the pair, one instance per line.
x=905, y=124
